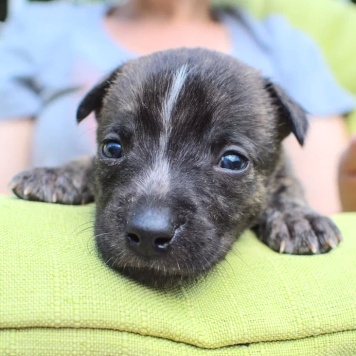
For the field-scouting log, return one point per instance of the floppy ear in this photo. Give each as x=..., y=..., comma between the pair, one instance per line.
x=293, y=117
x=93, y=101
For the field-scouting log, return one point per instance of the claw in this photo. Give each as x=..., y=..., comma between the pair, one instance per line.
x=339, y=238
x=282, y=246
x=331, y=243
x=27, y=191
x=313, y=248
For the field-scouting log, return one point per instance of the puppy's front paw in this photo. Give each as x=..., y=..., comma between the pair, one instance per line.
x=299, y=232
x=53, y=185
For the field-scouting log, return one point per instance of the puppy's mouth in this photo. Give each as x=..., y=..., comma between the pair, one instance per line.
x=159, y=246
x=159, y=276
x=182, y=259
x=164, y=266
x=157, y=271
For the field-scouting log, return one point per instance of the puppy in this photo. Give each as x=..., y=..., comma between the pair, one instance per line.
x=189, y=156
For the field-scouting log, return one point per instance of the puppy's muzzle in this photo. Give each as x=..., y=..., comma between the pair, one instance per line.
x=150, y=231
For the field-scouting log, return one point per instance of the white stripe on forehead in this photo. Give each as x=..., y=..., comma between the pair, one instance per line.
x=172, y=95
x=154, y=181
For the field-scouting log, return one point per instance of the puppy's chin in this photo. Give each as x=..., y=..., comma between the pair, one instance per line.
x=158, y=278
x=183, y=264
x=157, y=272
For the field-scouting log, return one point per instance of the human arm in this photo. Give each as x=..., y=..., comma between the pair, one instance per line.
x=15, y=148
x=20, y=100
x=316, y=164
x=347, y=177
x=306, y=76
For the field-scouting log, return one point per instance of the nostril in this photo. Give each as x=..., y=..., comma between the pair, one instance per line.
x=162, y=242
x=133, y=238
x=150, y=231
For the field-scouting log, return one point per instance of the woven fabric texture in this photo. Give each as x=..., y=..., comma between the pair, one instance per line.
x=57, y=297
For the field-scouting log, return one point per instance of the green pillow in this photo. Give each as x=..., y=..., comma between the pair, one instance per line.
x=58, y=298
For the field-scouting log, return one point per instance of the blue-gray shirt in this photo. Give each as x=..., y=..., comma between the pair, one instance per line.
x=51, y=54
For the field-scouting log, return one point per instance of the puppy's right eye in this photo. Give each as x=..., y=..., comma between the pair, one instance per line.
x=111, y=149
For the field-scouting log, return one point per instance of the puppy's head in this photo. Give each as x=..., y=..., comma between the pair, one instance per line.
x=187, y=141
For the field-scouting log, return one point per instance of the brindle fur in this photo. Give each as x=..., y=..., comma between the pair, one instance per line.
x=222, y=102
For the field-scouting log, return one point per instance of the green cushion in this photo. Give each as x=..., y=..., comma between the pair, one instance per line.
x=58, y=298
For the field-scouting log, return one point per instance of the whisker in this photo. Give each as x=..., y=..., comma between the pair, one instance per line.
x=81, y=226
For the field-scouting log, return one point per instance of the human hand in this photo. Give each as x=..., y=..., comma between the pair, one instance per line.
x=347, y=177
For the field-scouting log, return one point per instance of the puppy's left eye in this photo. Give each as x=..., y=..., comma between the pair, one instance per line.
x=111, y=149
x=233, y=161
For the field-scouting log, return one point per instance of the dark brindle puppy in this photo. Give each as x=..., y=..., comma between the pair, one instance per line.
x=189, y=156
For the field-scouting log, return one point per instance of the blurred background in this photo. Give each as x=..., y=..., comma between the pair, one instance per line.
x=10, y=6
x=331, y=24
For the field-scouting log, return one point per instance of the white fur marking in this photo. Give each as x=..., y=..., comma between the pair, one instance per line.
x=156, y=180
x=170, y=100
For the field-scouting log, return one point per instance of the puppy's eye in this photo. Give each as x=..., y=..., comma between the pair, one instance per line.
x=111, y=149
x=233, y=161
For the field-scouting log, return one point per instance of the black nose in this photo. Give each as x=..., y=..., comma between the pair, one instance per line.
x=150, y=231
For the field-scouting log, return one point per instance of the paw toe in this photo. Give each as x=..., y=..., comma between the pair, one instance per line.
x=328, y=234
x=45, y=185
x=300, y=233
